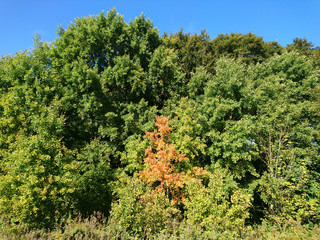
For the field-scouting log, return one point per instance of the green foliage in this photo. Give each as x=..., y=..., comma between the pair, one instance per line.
x=228, y=124
x=306, y=48
x=74, y=113
x=187, y=133
x=285, y=131
x=37, y=181
x=247, y=47
x=93, y=179
x=198, y=82
x=137, y=119
x=193, y=51
x=221, y=206
x=125, y=81
x=139, y=210
x=94, y=40
x=166, y=80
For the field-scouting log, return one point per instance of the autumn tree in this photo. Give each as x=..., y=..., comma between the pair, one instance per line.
x=161, y=159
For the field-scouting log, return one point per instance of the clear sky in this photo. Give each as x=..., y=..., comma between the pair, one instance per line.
x=274, y=20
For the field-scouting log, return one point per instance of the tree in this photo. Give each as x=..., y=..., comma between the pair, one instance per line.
x=247, y=47
x=302, y=46
x=73, y=115
x=219, y=205
x=160, y=170
x=193, y=51
x=284, y=132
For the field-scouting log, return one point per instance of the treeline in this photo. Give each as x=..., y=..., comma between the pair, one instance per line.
x=149, y=130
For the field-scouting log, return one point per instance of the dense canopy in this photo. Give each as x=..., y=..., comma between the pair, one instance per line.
x=146, y=129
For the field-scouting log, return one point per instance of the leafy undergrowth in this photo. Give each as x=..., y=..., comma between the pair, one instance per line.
x=97, y=227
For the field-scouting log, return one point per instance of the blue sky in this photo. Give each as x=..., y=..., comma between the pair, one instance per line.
x=280, y=20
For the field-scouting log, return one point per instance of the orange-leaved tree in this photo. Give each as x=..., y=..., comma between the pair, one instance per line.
x=160, y=171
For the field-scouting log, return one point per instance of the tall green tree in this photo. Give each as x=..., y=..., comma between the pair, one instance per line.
x=249, y=48
x=193, y=51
